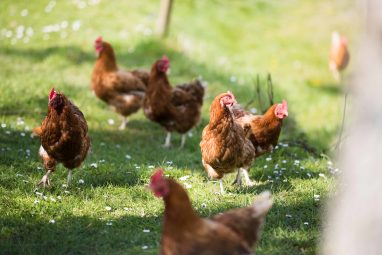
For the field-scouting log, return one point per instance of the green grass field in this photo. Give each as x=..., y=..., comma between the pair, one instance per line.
x=228, y=43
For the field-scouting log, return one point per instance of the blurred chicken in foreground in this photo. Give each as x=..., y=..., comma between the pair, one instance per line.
x=122, y=90
x=234, y=232
x=64, y=136
x=339, y=55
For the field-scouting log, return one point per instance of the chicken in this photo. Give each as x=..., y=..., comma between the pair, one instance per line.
x=264, y=129
x=64, y=136
x=231, y=233
x=122, y=90
x=224, y=145
x=339, y=55
x=176, y=109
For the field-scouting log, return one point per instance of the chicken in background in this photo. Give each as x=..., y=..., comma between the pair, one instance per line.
x=185, y=232
x=122, y=90
x=264, y=129
x=64, y=136
x=176, y=109
x=224, y=145
x=339, y=55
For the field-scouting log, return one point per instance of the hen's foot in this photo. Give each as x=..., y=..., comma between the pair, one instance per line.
x=44, y=181
x=167, y=143
x=123, y=124
x=248, y=181
x=183, y=141
x=237, y=181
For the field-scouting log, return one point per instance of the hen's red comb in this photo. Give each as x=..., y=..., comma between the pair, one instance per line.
x=99, y=39
x=285, y=104
x=52, y=94
x=165, y=58
x=158, y=175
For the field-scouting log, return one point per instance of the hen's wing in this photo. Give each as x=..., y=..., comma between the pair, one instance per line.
x=126, y=82
x=184, y=93
x=247, y=222
x=143, y=75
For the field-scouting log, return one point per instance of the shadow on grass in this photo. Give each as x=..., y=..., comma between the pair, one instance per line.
x=33, y=234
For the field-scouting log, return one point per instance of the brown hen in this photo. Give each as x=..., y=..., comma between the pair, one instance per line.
x=176, y=109
x=264, y=129
x=64, y=136
x=185, y=233
x=122, y=90
x=225, y=146
x=339, y=55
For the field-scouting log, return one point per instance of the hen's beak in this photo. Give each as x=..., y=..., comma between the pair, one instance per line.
x=168, y=71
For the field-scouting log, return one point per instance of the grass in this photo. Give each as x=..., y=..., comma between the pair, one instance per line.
x=228, y=43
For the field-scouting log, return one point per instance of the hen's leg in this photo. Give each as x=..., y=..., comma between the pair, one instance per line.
x=123, y=124
x=248, y=181
x=45, y=179
x=183, y=141
x=221, y=187
x=69, y=179
x=238, y=178
x=167, y=143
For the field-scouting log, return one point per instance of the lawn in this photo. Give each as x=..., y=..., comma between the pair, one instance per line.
x=107, y=210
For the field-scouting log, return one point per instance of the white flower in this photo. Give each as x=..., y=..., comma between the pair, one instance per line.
x=288, y=216
x=144, y=247
x=284, y=161
x=253, y=110
x=188, y=186
x=22, y=134
x=3, y=125
x=108, y=208
x=80, y=181
x=266, y=166
x=296, y=162
x=52, y=199
x=183, y=178
x=59, y=197
x=67, y=192
x=36, y=201
x=204, y=205
x=306, y=223
x=268, y=159
x=146, y=231
x=309, y=175
x=52, y=221
x=76, y=25
x=322, y=175
x=128, y=156
x=38, y=194
x=110, y=121
x=109, y=223
x=94, y=165
x=24, y=13
x=169, y=162
x=151, y=166
x=64, y=185
x=125, y=208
